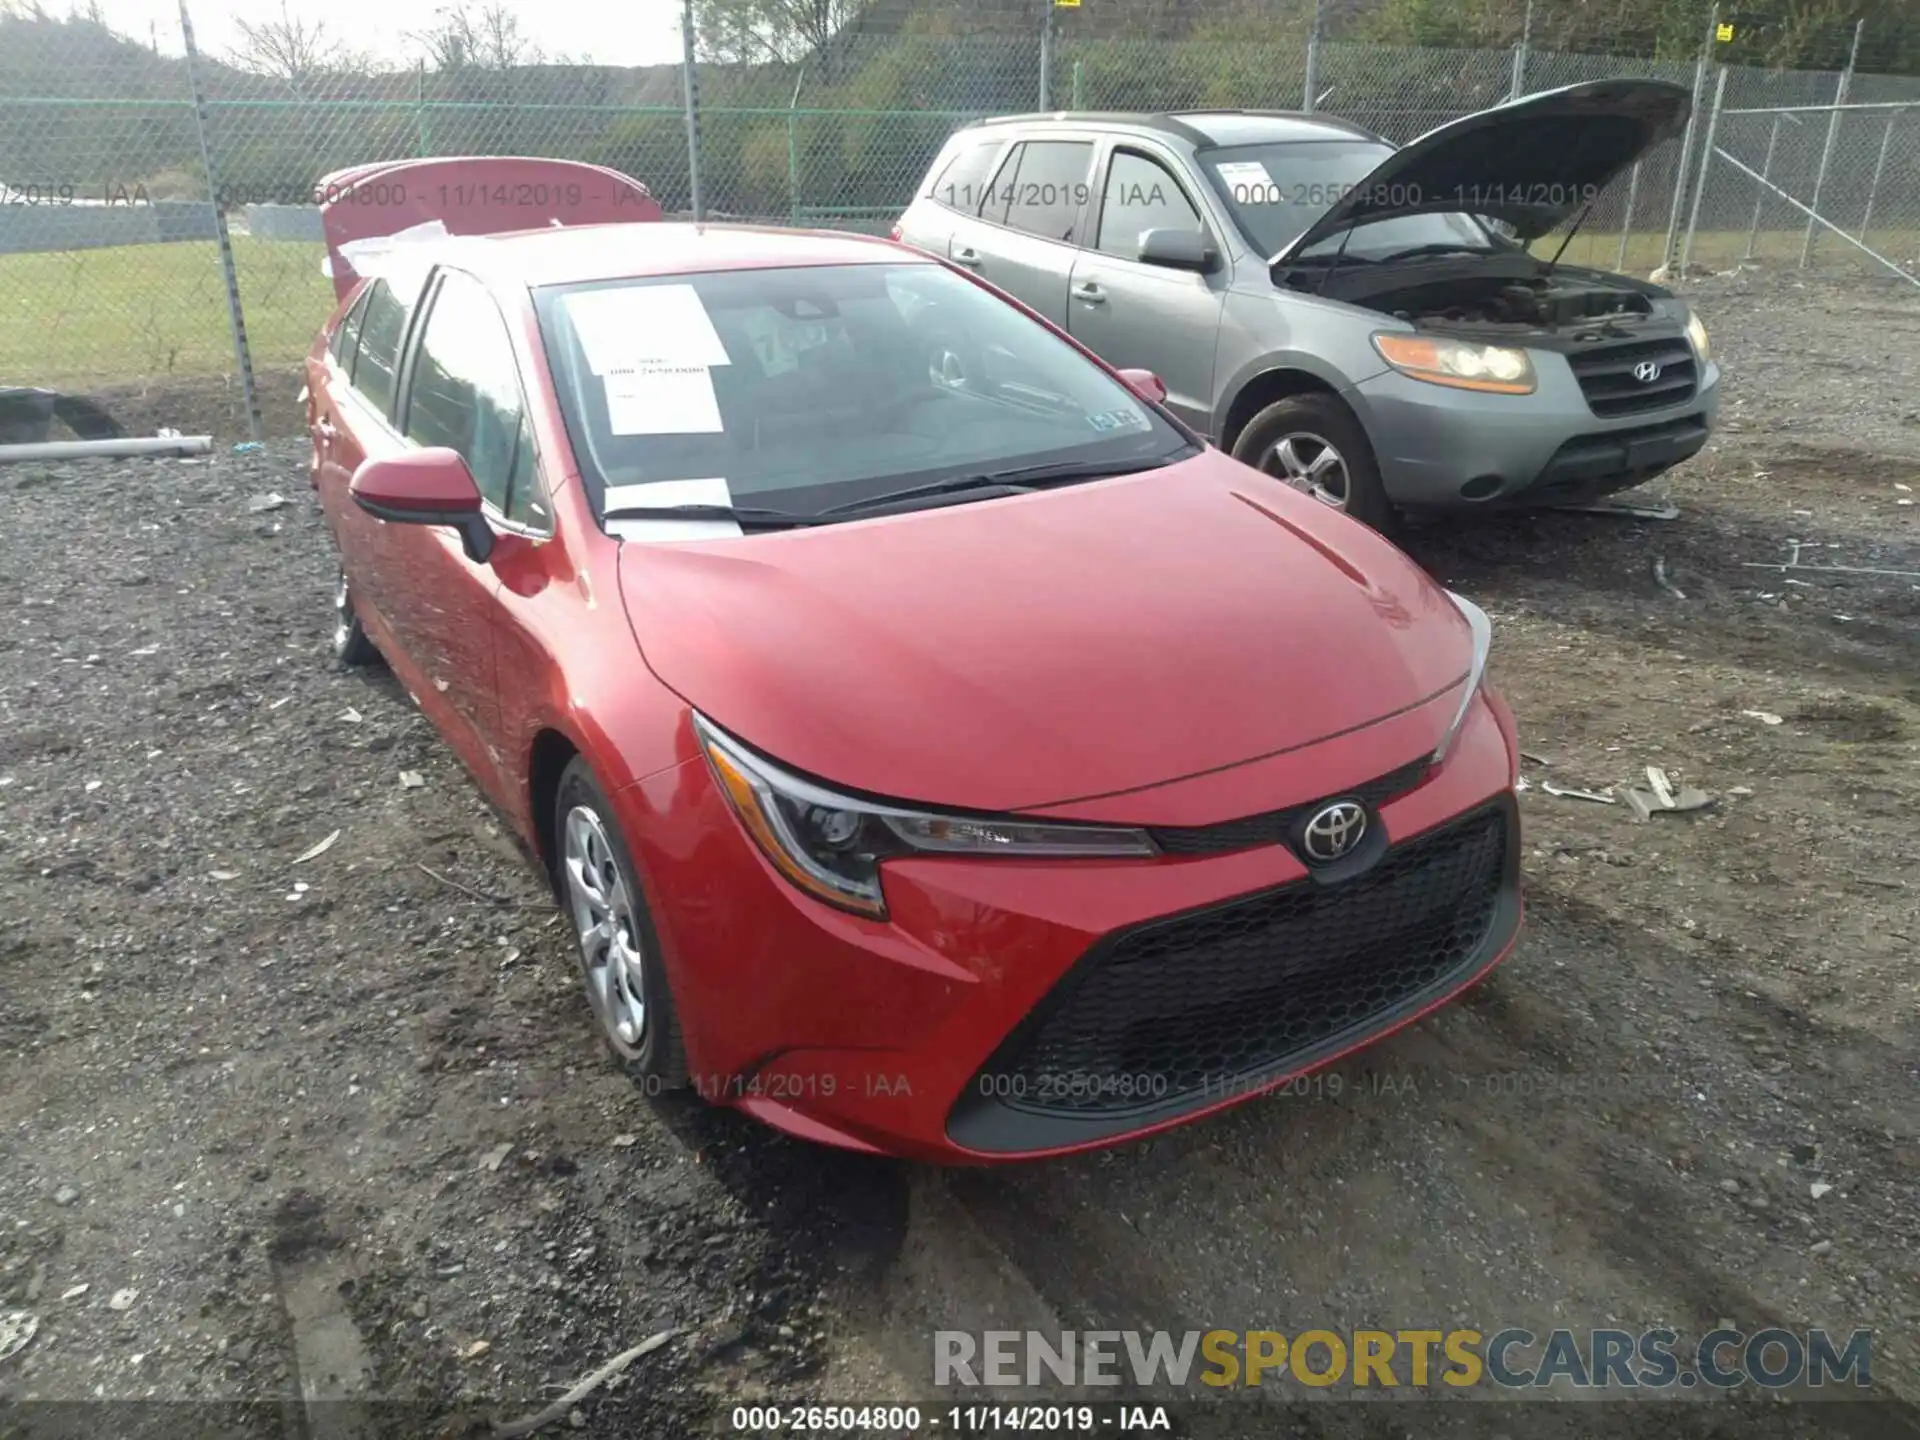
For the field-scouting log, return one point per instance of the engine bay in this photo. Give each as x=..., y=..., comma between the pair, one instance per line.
x=1540, y=303
x=1510, y=298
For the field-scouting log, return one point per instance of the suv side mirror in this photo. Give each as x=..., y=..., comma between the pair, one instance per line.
x=426, y=487
x=1178, y=250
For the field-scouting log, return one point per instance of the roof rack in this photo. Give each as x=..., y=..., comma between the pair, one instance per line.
x=1172, y=122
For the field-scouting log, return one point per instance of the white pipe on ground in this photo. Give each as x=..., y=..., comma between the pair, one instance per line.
x=91, y=449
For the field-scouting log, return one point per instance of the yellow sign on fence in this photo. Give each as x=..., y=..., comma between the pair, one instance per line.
x=1723, y=32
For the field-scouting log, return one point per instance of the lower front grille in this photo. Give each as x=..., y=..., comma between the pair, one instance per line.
x=1187, y=1008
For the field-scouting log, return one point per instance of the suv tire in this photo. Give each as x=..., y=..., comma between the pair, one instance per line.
x=1292, y=440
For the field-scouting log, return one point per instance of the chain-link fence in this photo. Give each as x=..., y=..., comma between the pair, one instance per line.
x=115, y=282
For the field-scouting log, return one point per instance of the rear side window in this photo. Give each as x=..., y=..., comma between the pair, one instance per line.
x=962, y=184
x=383, y=324
x=1049, y=188
x=464, y=393
x=1140, y=196
x=346, y=336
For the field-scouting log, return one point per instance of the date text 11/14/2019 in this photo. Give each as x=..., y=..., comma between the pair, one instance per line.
x=882, y=1420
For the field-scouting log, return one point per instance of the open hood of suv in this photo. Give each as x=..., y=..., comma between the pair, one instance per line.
x=1532, y=162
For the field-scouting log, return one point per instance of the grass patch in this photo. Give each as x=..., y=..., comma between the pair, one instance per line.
x=131, y=313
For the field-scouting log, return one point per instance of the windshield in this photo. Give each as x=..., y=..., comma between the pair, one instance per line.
x=1276, y=191
x=801, y=388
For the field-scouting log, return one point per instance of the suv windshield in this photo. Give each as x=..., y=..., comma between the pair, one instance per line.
x=1276, y=191
x=799, y=389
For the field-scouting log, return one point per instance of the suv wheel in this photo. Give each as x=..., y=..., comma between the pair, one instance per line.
x=1314, y=443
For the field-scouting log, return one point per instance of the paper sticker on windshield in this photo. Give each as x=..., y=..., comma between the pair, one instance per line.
x=1123, y=419
x=664, y=494
x=662, y=400
x=644, y=325
x=779, y=342
x=1249, y=183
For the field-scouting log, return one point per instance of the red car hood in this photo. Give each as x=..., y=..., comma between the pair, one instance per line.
x=1024, y=652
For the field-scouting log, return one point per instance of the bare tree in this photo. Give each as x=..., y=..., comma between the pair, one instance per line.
x=298, y=51
x=782, y=31
x=486, y=38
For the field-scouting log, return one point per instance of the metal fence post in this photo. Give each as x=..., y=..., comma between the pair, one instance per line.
x=1833, y=135
x=1760, y=192
x=1626, y=224
x=1519, y=85
x=1706, y=166
x=1046, y=55
x=1686, y=140
x=422, y=133
x=690, y=86
x=1313, y=59
x=1079, y=78
x=793, y=150
x=1873, y=191
x=236, y=321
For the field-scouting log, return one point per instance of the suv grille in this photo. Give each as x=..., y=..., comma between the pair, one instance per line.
x=1607, y=380
x=1192, y=1005
x=1276, y=826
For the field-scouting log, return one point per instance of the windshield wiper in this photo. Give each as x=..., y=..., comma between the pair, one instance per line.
x=743, y=515
x=1017, y=481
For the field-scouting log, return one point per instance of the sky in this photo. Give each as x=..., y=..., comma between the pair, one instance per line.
x=607, y=32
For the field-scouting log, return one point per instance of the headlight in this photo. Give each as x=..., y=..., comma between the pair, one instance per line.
x=1460, y=363
x=1482, y=629
x=1697, y=333
x=831, y=845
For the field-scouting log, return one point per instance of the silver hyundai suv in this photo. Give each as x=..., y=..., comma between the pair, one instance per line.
x=1371, y=324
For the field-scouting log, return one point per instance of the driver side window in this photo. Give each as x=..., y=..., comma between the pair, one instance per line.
x=1141, y=195
x=464, y=393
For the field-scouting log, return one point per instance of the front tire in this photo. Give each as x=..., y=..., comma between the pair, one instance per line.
x=1315, y=444
x=618, y=948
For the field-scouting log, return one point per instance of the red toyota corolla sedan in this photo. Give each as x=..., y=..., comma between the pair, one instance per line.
x=938, y=749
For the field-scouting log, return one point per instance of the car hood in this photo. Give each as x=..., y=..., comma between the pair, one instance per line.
x=1029, y=651
x=1530, y=162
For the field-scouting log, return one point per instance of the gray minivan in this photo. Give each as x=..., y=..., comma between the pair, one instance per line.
x=1368, y=323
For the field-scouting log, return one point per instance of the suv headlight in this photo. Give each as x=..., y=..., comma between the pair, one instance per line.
x=1498, y=369
x=831, y=845
x=1482, y=629
x=1697, y=334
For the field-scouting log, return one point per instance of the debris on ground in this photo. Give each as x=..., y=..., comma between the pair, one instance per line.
x=316, y=850
x=412, y=780
x=1660, y=578
x=494, y=1158
x=1599, y=797
x=260, y=504
x=1765, y=717
x=559, y=1409
x=123, y=1299
x=1659, y=796
x=17, y=1329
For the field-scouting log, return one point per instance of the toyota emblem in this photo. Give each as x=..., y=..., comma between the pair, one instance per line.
x=1334, y=832
x=1647, y=371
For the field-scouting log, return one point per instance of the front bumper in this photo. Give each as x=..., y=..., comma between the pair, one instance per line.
x=1439, y=448
x=913, y=1036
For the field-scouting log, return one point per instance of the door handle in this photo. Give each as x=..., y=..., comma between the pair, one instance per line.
x=967, y=257
x=1091, y=293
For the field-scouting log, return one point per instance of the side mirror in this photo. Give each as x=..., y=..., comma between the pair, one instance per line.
x=1147, y=385
x=1178, y=250
x=425, y=487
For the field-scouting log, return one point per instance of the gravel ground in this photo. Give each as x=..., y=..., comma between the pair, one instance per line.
x=342, y=1123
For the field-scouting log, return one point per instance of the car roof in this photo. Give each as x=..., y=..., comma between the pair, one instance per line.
x=1202, y=127
x=629, y=250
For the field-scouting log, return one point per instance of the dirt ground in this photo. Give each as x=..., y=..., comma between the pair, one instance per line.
x=343, y=1124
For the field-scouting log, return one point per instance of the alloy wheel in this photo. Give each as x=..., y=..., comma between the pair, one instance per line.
x=1311, y=464
x=603, y=919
